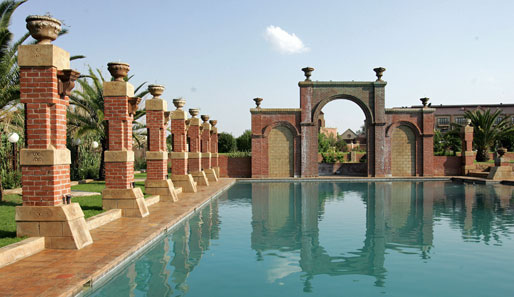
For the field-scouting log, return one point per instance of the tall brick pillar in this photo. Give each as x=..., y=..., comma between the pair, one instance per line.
x=206, y=150
x=45, y=84
x=179, y=155
x=468, y=156
x=157, y=116
x=428, y=139
x=214, y=147
x=119, y=109
x=195, y=155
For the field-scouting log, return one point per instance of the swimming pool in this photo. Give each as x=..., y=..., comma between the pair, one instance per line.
x=334, y=239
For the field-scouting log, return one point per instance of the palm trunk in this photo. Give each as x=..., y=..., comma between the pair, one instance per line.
x=482, y=154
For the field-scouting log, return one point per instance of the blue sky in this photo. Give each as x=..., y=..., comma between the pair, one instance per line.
x=218, y=56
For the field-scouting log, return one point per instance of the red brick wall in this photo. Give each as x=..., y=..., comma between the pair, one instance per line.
x=447, y=165
x=235, y=166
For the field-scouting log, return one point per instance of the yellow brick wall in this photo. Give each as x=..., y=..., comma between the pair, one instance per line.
x=280, y=152
x=403, y=157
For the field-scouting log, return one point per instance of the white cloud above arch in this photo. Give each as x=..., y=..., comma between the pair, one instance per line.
x=284, y=42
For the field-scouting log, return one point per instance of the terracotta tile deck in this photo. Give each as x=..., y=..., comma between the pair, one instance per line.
x=65, y=272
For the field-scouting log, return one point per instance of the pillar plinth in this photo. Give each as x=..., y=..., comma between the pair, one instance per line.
x=179, y=155
x=502, y=169
x=157, y=117
x=45, y=83
x=119, y=108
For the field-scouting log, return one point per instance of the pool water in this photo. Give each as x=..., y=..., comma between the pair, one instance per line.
x=334, y=239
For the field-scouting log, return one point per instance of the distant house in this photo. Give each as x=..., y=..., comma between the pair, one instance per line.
x=349, y=136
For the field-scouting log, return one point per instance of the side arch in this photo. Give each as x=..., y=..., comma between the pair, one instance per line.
x=266, y=130
x=411, y=125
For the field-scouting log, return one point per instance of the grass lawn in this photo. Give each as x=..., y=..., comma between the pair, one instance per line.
x=140, y=175
x=91, y=206
x=7, y=223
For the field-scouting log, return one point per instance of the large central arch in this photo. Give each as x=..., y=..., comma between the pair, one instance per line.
x=369, y=96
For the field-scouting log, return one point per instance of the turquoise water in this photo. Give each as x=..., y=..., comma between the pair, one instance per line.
x=335, y=239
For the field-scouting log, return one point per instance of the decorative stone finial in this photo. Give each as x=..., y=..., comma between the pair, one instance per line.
x=118, y=70
x=424, y=101
x=213, y=122
x=42, y=28
x=179, y=102
x=258, y=102
x=156, y=90
x=379, y=71
x=194, y=112
x=308, y=72
x=205, y=118
x=468, y=122
x=501, y=151
x=133, y=104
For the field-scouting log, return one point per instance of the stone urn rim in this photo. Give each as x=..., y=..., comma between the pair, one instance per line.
x=194, y=112
x=179, y=102
x=156, y=90
x=43, y=28
x=213, y=122
x=501, y=151
x=118, y=70
x=205, y=117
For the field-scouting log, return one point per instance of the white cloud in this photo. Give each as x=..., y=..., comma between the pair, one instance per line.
x=284, y=42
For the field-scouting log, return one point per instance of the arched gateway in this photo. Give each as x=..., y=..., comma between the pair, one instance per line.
x=370, y=97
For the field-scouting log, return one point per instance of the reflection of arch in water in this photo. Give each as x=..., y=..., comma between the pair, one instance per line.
x=301, y=230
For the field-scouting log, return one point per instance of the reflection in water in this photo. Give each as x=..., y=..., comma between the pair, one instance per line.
x=399, y=217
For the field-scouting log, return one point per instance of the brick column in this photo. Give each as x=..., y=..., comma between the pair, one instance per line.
x=195, y=155
x=45, y=84
x=214, y=147
x=179, y=155
x=206, y=149
x=157, y=116
x=119, y=109
x=428, y=140
x=468, y=156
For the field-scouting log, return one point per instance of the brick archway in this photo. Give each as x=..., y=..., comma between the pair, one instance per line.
x=369, y=96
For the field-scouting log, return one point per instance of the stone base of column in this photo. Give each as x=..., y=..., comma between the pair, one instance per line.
x=200, y=178
x=163, y=188
x=63, y=226
x=217, y=170
x=130, y=201
x=500, y=173
x=185, y=181
x=211, y=175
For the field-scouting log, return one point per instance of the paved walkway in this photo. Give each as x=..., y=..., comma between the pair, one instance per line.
x=65, y=272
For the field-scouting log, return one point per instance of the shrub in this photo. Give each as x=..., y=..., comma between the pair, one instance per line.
x=244, y=142
x=226, y=143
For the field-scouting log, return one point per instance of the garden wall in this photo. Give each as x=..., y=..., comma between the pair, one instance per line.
x=447, y=165
x=235, y=166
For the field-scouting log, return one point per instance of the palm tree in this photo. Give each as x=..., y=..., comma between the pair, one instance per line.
x=489, y=128
x=86, y=112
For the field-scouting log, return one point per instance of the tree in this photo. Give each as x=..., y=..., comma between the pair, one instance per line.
x=226, y=143
x=244, y=142
x=489, y=129
x=86, y=113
